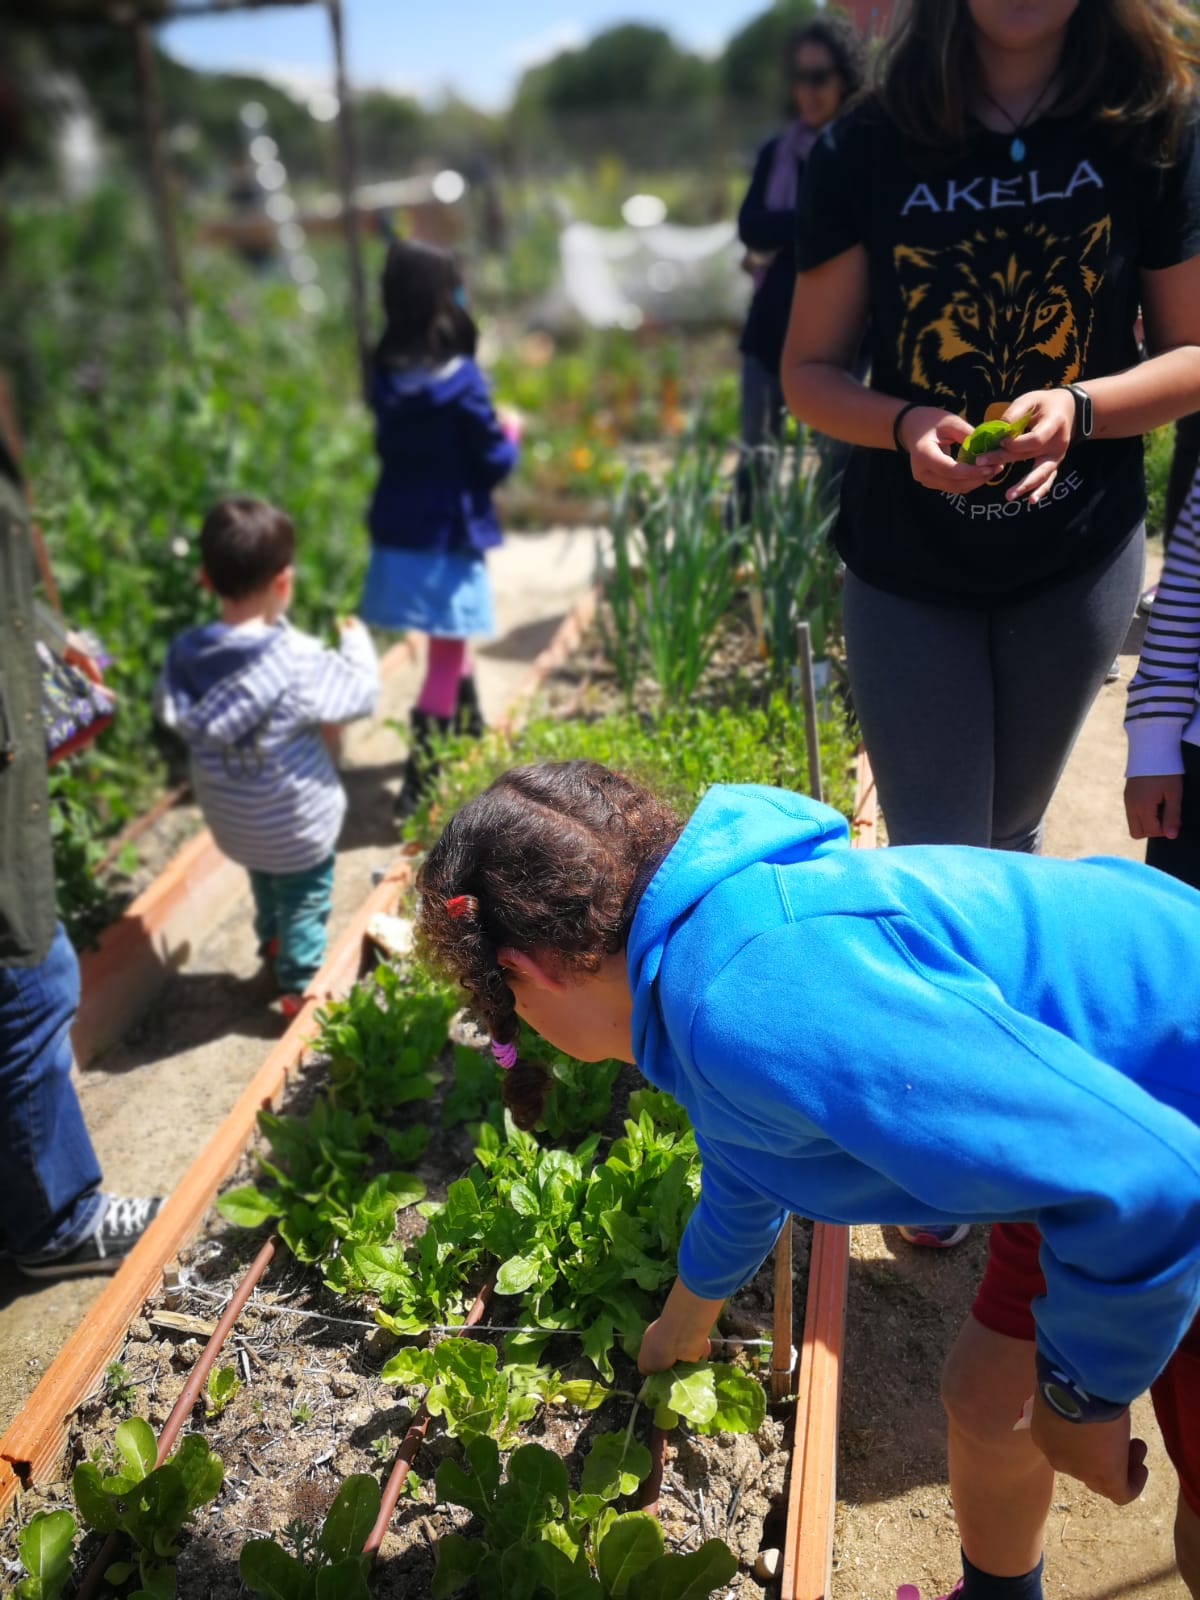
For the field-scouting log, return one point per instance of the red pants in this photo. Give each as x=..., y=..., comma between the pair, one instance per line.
x=1013, y=1279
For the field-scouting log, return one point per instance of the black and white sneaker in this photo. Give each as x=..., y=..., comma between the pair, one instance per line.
x=120, y=1223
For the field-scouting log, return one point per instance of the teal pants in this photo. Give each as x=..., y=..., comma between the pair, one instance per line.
x=290, y=913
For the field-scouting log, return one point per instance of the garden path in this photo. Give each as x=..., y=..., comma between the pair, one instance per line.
x=153, y=1100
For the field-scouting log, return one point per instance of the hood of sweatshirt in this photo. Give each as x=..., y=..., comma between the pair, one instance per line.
x=220, y=683
x=399, y=392
x=736, y=828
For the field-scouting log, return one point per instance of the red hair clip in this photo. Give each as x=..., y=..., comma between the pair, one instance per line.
x=458, y=906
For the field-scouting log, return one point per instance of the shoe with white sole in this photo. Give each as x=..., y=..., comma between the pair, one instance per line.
x=938, y=1236
x=120, y=1223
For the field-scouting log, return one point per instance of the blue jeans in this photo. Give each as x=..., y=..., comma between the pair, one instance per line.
x=51, y=1178
x=293, y=908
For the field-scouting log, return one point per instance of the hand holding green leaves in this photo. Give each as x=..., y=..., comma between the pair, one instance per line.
x=989, y=436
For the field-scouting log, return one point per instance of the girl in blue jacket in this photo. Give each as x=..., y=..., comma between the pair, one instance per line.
x=922, y=1034
x=442, y=451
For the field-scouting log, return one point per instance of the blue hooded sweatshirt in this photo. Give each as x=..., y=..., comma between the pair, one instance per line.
x=931, y=1035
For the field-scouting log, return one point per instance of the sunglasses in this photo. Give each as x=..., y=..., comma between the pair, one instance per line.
x=813, y=77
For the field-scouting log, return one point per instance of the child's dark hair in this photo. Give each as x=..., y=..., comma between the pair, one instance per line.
x=546, y=859
x=427, y=323
x=244, y=543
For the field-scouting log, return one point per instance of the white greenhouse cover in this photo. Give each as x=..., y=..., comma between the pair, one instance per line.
x=624, y=277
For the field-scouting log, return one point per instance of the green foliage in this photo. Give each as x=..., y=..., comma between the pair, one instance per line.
x=795, y=568
x=474, y=1396
x=672, y=580
x=44, y=1546
x=712, y=1397
x=149, y=1505
x=581, y=1092
x=630, y=64
x=753, y=63
x=329, y=1566
x=1160, y=446
x=539, y=1539
x=223, y=1383
x=119, y=1385
x=679, y=755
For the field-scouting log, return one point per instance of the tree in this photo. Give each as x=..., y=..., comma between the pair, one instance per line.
x=629, y=65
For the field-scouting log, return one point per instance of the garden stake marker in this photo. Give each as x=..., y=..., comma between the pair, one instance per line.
x=188, y=1395
x=812, y=1493
x=412, y=1441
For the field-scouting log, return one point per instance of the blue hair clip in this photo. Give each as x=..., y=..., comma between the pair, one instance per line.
x=460, y=296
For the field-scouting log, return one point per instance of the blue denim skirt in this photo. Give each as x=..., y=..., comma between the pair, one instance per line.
x=443, y=593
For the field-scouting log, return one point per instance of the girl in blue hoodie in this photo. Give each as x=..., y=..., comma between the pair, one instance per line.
x=922, y=1034
x=442, y=451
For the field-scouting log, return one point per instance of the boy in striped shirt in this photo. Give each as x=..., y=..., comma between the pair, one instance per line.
x=248, y=694
x=1162, y=720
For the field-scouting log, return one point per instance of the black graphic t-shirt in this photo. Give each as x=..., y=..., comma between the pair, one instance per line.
x=990, y=277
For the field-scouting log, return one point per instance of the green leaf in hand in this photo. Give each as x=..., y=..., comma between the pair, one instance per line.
x=988, y=436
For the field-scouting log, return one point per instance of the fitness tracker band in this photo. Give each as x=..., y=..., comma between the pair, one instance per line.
x=1083, y=410
x=1068, y=1399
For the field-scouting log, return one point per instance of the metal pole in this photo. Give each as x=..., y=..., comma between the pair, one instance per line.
x=160, y=187
x=809, y=694
x=347, y=166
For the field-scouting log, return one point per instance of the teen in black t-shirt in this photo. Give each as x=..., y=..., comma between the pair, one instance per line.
x=1026, y=177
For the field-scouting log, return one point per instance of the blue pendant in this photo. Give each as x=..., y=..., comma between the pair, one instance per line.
x=1017, y=148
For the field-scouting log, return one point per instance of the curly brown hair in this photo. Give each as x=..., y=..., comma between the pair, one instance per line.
x=1126, y=63
x=544, y=860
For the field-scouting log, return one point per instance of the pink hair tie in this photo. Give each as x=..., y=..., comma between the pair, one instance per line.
x=505, y=1054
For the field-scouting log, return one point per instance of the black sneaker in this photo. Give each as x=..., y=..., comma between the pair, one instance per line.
x=121, y=1222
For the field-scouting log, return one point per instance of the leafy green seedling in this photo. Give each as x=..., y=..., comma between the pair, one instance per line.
x=44, y=1547
x=711, y=1396
x=119, y=1385
x=148, y=1504
x=223, y=1383
x=302, y=1414
x=988, y=436
x=331, y=1567
x=383, y=1448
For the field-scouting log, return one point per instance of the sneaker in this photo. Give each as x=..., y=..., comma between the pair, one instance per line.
x=1147, y=600
x=909, y=1591
x=941, y=1236
x=1114, y=672
x=122, y=1221
x=291, y=1005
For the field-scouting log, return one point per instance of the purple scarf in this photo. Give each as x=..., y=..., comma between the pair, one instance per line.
x=794, y=146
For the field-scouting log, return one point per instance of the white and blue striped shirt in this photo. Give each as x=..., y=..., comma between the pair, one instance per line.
x=1164, y=697
x=249, y=702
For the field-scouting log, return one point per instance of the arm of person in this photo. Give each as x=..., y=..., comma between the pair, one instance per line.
x=760, y=228
x=917, y=1069
x=1162, y=696
x=346, y=680
x=493, y=452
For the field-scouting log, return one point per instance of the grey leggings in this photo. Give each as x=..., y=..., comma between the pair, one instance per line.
x=969, y=715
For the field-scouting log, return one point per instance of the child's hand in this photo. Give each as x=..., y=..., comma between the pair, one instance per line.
x=510, y=425
x=344, y=624
x=1099, y=1454
x=1153, y=806
x=681, y=1333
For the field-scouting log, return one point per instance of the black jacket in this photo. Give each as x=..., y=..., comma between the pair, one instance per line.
x=763, y=231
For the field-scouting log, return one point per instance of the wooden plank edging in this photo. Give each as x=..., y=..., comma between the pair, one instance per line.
x=812, y=1493
x=121, y=976
x=32, y=1447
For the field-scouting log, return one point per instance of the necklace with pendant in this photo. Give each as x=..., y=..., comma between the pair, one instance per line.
x=1017, y=148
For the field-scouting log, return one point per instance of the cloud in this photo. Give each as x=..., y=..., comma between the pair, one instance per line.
x=541, y=47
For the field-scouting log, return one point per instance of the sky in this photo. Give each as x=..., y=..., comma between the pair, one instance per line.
x=477, y=47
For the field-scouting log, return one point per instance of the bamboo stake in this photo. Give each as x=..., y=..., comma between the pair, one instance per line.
x=160, y=185
x=809, y=700
x=346, y=183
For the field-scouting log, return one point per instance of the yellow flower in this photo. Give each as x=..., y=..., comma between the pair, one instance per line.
x=582, y=458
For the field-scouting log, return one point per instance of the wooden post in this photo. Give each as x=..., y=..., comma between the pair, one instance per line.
x=160, y=188
x=347, y=183
x=809, y=696
x=782, y=1340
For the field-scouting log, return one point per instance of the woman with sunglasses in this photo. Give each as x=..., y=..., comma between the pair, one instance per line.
x=825, y=67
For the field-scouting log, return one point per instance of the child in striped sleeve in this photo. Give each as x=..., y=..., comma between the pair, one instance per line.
x=249, y=696
x=1162, y=721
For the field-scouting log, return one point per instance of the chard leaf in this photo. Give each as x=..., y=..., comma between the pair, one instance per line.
x=350, y=1519
x=475, y=1490
x=585, y=1394
x=343, y=1580
x=517, y=1274
x=690, y=1577
x=457, y=1563
x=558, y=1575
x=689, y=1389
x=523, y=1200
x=741, y=1401
x=136, y=1446
x=534, y=1494
x=628, y=1547
x=201, y=1471
x=250, y=1207
x=409, y=1367
x=615, y=1466
x=44, y=1546
x=274, y=1574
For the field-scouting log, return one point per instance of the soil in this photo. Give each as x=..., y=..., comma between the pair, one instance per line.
x=152, y=1101
x=895, y=1522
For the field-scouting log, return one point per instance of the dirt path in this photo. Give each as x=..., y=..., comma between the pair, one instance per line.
x=895, y=1522
x=152, y=1101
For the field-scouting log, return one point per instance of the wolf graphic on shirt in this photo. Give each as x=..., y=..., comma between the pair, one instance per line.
x=1007, y=309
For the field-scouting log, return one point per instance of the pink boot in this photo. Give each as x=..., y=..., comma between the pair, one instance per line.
x=909, y=1591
